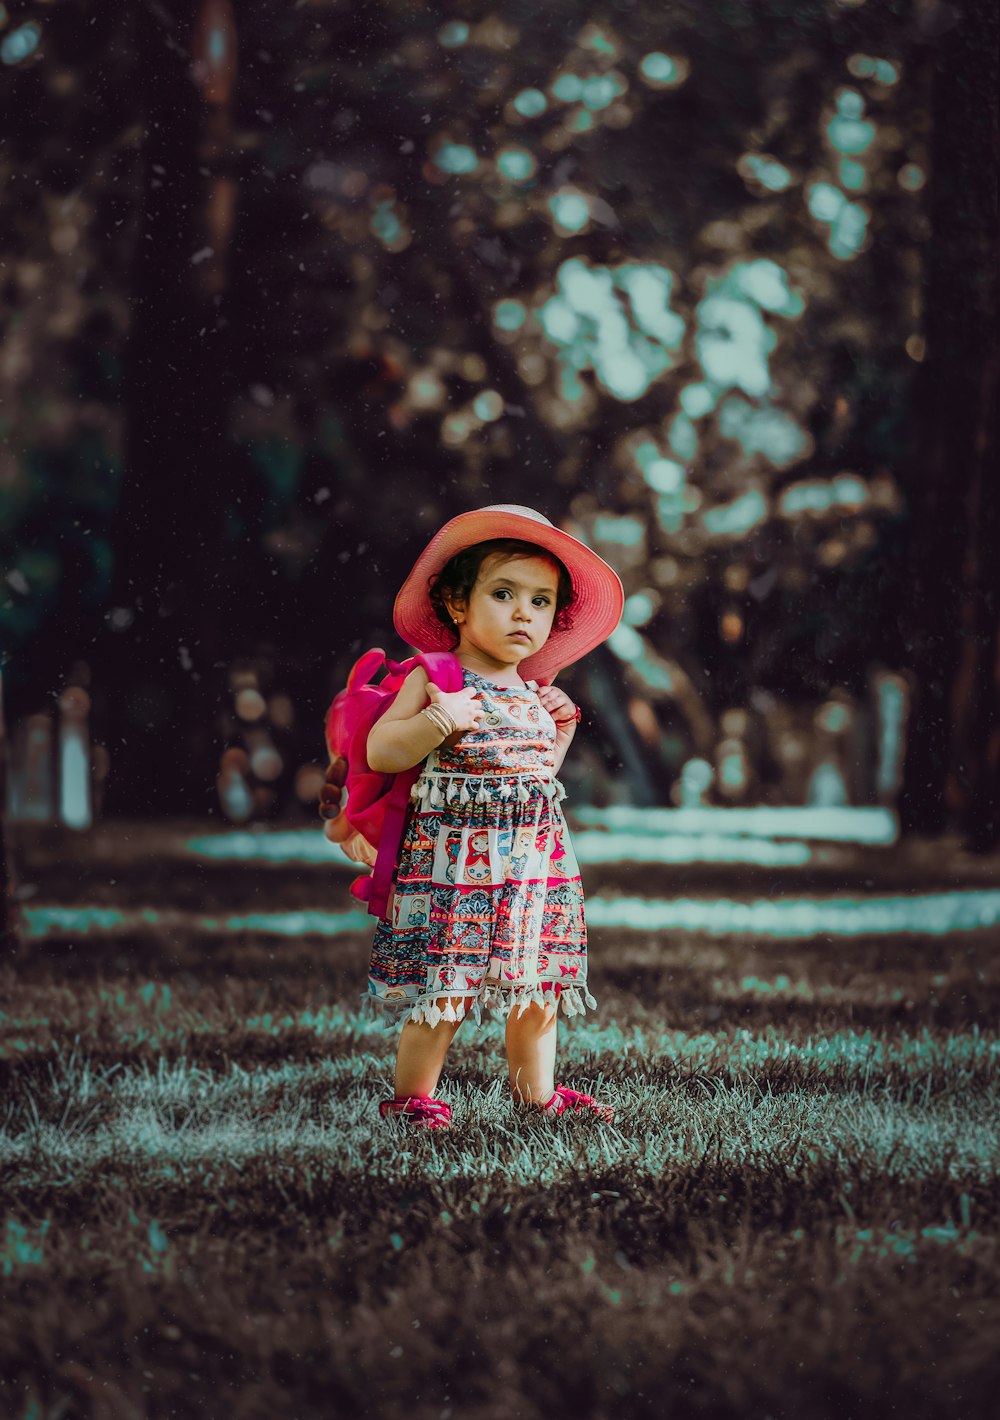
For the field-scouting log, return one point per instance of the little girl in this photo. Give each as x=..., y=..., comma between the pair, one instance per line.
x=487, y=907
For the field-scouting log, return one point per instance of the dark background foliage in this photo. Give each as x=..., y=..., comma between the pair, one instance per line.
x=260, y=270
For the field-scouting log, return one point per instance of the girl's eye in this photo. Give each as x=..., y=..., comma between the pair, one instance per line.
x=505, y=592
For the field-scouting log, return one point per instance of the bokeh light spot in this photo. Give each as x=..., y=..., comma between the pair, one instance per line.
x=517, y=164
x=20, y=43
x=456, y=158
x=850, y=104
x=453, y=34
x=768, y=431
x=767, y=171
x=385, y=225
x=697, y=400
x=600, y=90
x=250, y=704
x=737, y=517
x=848, y=233
x=509, y=315
x=309, y=780
x=593, y=37
x=766, y=284
x=683, y=437
x=847, y=131
x=570, y=212
x=862, y=66
x=625, y=530
x=825, y=201
x=623, y=373
x=488, y=405
x=852, y=174
x=266, y=762
x=661, y=71
x=638, y=609
x=529, y=103
x=664, y=475
x=568, y=88
x=819, y=495
x=649, y=289
x=733, y=344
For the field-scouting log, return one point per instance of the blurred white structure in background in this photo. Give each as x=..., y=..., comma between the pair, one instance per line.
x=53, y=773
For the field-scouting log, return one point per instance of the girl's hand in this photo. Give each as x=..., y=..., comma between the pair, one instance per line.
x=560, y=707
x=464, y=706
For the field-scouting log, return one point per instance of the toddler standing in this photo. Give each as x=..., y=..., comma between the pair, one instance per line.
x=487, y=909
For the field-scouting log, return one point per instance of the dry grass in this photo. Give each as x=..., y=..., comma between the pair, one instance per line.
x=795, y=1214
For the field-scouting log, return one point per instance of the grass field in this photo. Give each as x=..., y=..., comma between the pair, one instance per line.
x=795, y=1214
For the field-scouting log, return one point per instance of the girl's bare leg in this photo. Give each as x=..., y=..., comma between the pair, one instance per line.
x=531, y=1054
x=420, y=1054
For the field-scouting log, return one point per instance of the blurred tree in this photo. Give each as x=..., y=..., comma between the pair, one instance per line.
x=67, y=166
x=658, y=274
x=953, y=756
x=162, y=646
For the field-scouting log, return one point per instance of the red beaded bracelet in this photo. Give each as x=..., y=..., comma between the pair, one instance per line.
x=576, y=718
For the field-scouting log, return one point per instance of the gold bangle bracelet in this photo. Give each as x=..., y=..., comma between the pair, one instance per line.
x=447, y=716
x=436, y=717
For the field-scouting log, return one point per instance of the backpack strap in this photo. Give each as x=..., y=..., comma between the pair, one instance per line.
x=365, y=667
x=445, y=670
x=396, y=805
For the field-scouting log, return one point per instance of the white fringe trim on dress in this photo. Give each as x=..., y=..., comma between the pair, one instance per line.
x=499, y=1001
x=435, y=789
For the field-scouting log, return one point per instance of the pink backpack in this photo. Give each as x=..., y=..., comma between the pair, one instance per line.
x=377, y=803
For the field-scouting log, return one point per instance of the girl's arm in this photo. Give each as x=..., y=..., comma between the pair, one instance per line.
x=564, y=713
x=402, y=737
x=563, y=742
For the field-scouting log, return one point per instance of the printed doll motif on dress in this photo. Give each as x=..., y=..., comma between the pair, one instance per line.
x=417, y=916
x=408, y=912
x=477, y=858
x=517, y=860
x=558, y=856
x=446, y=855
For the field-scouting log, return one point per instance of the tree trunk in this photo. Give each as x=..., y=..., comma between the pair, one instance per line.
x=8, y=912
x=975, y=760
x=952, y=497
x=161, y=648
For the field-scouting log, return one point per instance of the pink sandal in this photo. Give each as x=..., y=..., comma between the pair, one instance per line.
x=565, y=1098
x=417, y=1111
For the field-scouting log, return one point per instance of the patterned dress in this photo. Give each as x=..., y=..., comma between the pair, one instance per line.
x=487, y=903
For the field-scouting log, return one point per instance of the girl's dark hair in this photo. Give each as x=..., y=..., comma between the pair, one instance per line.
x=458, y=577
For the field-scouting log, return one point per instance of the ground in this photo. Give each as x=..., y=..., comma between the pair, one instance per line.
x=795, y=1213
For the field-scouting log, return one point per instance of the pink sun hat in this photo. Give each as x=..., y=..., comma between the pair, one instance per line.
x=595, y=613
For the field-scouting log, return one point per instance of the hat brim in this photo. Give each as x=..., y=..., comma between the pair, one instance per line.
x=596, y=611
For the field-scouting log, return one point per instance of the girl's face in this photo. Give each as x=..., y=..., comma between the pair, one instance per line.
x=510, y=610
